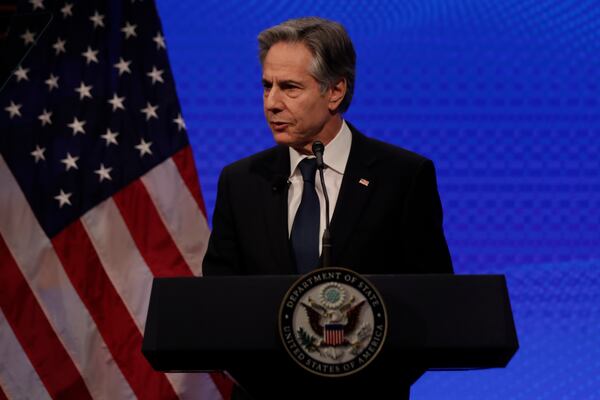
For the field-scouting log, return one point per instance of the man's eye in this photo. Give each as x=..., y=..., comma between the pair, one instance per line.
x=292, y=90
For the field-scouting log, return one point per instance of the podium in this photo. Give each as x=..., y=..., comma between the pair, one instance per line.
x=435, y=322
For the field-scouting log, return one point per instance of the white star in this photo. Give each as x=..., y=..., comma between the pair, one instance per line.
x=90, y=55
x=144, y=148
x=37, y=4
x=63, y=198
x=38, y=153
x=150, y=111
x=70, y=162
x=14, y=109
x=45, y=117
x=21, y=73
x=28, y=37
x=180, y=122
x=67, y=10
x=52, y=82
x=97, y=19
x=156, y=75
x=77, y=126
x=110, y=137
x=84, y=91
x=129, y=30
x=103, y=173
x=117, y=102
x=160, y=41
x=123, y=66
x=59, y=46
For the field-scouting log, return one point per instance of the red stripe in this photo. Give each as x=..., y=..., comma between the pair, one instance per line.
x=49, y=358
x=115, y=324
x=184, y=160
x=223, y=384
x=149, y=232
x=2, y=395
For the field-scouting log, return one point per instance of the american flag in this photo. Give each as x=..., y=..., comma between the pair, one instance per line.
x=98, y=195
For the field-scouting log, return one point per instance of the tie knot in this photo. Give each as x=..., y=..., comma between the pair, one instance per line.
x=308, y=168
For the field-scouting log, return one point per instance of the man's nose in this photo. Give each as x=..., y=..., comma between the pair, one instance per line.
x=273, y=100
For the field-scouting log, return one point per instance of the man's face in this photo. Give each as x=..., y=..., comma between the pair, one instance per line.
x=295, y=108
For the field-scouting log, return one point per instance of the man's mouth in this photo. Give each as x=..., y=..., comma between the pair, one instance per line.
x=279, y=125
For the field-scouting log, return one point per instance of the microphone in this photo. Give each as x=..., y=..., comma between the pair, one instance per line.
x=318, y=149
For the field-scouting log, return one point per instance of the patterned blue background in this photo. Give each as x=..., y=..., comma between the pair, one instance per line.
x=502, y=95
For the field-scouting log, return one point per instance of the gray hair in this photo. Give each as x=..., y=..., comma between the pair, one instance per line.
x=333, y=53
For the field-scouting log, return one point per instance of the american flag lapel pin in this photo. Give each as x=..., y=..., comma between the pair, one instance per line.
x=363, y=182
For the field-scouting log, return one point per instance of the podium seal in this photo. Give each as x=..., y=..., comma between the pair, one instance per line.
x=332, y=322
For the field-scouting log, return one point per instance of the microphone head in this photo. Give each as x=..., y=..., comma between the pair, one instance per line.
x=317, y=147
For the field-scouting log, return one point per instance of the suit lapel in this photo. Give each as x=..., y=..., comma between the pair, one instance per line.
x=276, y=171
x=356, y=188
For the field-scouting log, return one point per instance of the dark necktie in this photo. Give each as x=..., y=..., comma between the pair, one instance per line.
x=305, y=230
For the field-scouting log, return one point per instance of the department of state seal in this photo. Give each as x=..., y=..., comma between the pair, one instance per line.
x=332, y=322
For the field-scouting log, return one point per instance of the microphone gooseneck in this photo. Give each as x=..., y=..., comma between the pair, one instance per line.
x=318, y=149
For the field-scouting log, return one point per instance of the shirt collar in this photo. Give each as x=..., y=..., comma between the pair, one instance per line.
x=335, y=155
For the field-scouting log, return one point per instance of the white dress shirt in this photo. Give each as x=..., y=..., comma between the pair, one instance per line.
x=335, y=158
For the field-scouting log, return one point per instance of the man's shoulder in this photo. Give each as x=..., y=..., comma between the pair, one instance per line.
x=379, y=151
x=264, y=162
x=396, y=152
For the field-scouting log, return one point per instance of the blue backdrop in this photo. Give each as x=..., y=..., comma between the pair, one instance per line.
x=502, y=95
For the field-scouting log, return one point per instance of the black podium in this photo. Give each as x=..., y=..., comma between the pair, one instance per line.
x=230, y=323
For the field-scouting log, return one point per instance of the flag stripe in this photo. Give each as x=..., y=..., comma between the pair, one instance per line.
x=31, y=248
x=164, y=185
x=123, y=264
x=149, y=232
x=17, y=374
x=132, y=280
x=224, y=383
x=179, y=212
x=184, y=160
x=114, y=322
x=195, y=386
x=40, y=344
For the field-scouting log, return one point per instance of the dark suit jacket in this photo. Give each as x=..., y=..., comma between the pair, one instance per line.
x=392, y=225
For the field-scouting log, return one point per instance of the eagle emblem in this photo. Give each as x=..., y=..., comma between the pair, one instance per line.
x=333, y=322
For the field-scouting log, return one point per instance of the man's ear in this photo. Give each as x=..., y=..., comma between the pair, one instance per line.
x=336, y=94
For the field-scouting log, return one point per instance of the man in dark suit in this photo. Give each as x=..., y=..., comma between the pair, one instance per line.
x=386, y=215
x=385, y=208
x=392, y=224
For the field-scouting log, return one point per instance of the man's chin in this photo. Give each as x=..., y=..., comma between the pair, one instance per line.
x=285, y=139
